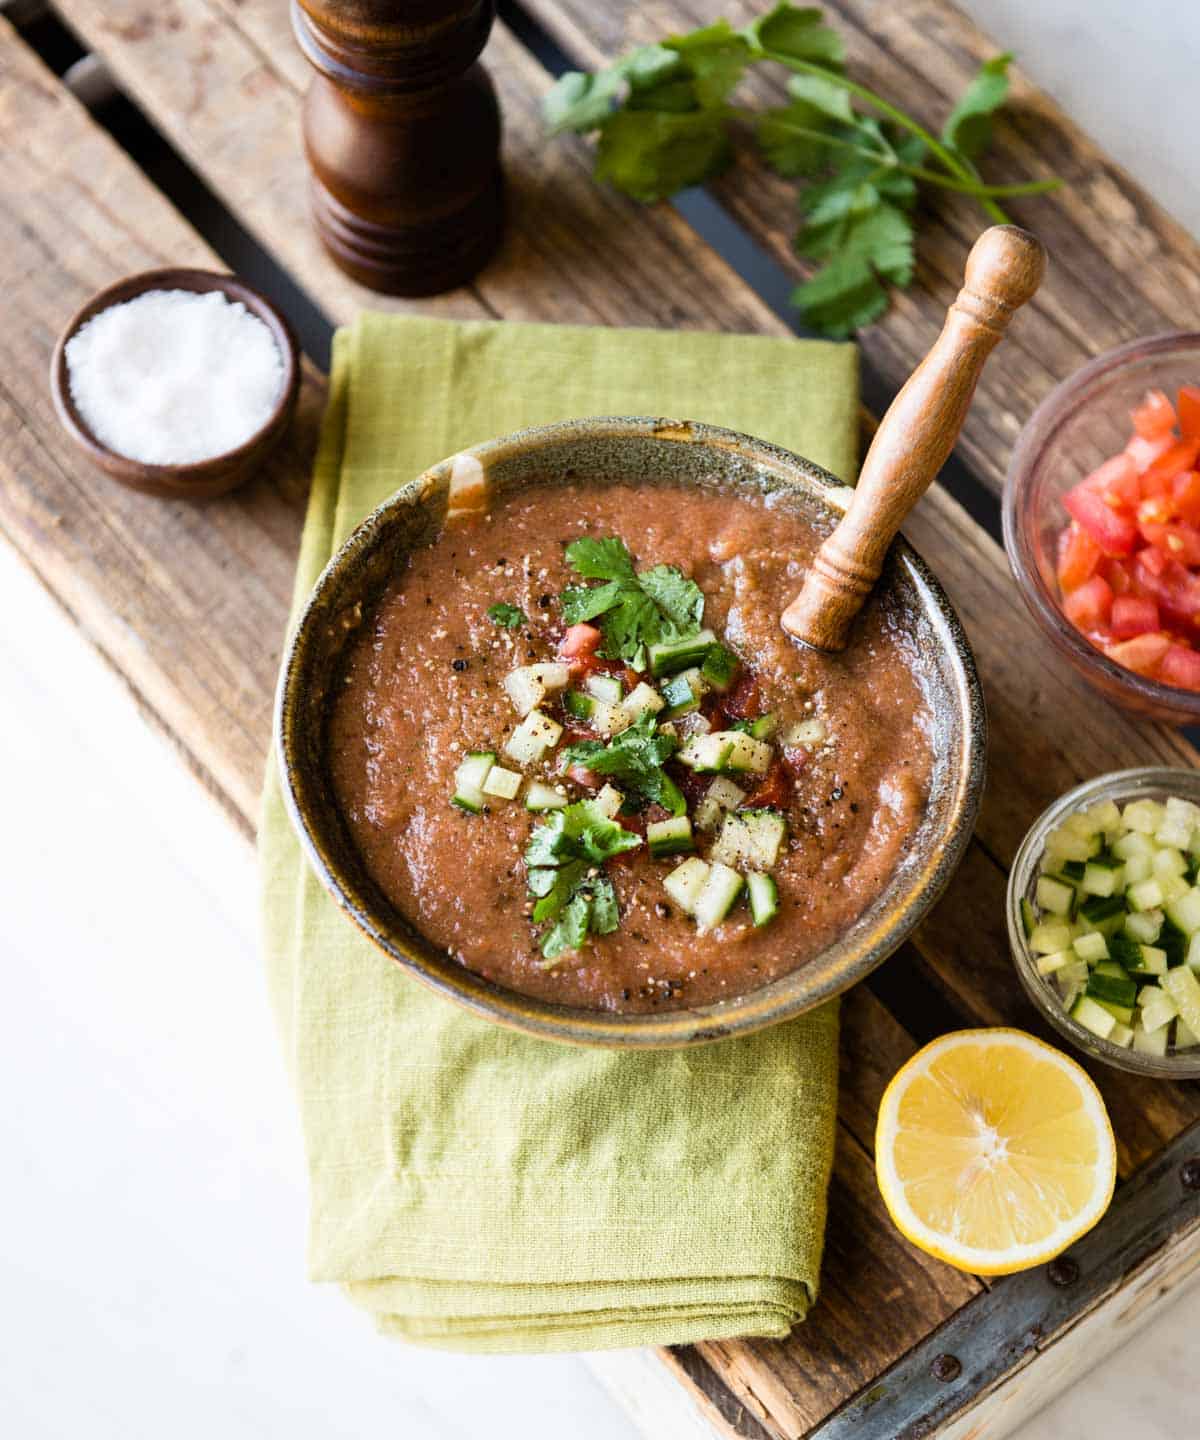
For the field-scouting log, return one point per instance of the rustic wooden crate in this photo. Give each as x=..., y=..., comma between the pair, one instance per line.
x=189, y=603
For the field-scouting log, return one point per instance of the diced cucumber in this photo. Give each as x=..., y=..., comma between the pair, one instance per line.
x=1123, y=1014
x=1093, y=1017
x=607, y=719
x=751, y=839
x=606, y=688
x=1145, y=895
x=1185, y=912
x=1091, y=947
x=681, y=654
x=1173, y=887
x=685, y=883
x=1144, y=816
x=608, y=801
x=692, y=725
x=1158, y=1009
x=1126, y=846
x=764, y=727
x=1048, y=964
x=502, y=783
x=643, y=699
x=1136, y=958
x=720, y=667
x=1121, y=1035
x=721, y=888
x=1193, y=952
x=670, y=837
x=1137, y=869
x=680, y=695
x=1028, y=918
x=529, y=685
x=707, y=753
x=1074, y=973
x=1050, y=936
x=1108, y=989
x=1185, y=1036
x=1144, y=926
x=1151, y=1042
x=469, y=778
x=1063, y=845
x=576, y=703
x=532, y=738
x=1172, y=939
x=1105, y=816
x=764, y=897
x=540, y=797
x=1098, y=908
x=806, y=734
x=747, y=756
x=1168, y=862
x=1174, y=833
x=1099, y=879
x=1183, y=987
x=721, y=797
x=1054, y=896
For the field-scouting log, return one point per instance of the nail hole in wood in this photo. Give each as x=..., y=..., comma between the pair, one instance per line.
x=946, y=1368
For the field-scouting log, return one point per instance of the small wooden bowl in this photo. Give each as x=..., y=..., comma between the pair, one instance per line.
x=198, y=479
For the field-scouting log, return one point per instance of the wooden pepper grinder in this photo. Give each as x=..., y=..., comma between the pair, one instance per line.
x=402, y=133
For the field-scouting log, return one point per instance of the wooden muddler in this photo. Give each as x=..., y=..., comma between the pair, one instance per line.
x=1004, y=269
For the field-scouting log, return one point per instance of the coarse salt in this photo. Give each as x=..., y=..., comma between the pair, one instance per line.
x=175, y=376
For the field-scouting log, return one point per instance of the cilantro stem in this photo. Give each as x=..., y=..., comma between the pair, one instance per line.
x=975, y=188
x=948, y=158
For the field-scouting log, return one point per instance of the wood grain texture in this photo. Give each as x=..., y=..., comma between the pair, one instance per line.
x=189, y=602
x=1120, y=266
x=916, y=435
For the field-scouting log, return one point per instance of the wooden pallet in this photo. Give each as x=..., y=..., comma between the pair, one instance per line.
x=188, y=603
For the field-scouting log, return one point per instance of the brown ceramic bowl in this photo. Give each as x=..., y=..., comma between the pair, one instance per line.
x=678, y=454
x=202, y=478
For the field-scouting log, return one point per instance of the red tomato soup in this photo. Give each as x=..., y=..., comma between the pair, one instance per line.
x=1129, y=557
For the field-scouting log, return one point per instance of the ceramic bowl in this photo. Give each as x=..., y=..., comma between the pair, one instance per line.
x=202, y=478
x=680, y=455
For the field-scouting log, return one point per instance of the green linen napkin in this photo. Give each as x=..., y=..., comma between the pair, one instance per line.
x=472, y=1188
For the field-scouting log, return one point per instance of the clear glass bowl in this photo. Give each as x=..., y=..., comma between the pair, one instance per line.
x=1152, y=783
x=1079, y=425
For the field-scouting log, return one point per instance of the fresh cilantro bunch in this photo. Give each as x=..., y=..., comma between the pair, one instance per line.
x=562, y=863
x=635, y=758
x=663, y=117
x=653, y=607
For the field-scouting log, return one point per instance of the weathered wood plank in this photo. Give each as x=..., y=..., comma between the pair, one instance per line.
x=1120, y=266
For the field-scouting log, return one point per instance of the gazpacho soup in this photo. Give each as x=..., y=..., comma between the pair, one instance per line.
x=575, y=748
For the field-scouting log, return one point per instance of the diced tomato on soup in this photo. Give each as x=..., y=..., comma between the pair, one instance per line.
x=1128, y=558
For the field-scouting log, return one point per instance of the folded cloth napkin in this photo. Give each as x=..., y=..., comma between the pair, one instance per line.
x=472, y=1188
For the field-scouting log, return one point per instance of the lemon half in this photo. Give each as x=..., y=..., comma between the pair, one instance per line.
x=994, y=1151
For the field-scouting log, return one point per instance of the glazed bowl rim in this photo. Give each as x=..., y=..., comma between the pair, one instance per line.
x=1056, y=410
x=782, y=999
x=174, y=277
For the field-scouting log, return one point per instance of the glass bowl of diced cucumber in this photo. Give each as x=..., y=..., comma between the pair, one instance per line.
x=1104, y=919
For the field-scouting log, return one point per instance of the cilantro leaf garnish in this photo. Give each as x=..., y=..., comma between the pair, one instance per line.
x=509, y=617
x=635, y=757
x=664, y=120
x=562, y=860
x=635, y=610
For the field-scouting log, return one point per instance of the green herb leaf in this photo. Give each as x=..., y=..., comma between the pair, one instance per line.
x=675, y=595
x=562, y=887
x=715, y=58
x=581, y=102
x=577, y=832
x=800, y=33
x=585, y=602
x=605, y=916
x=635, y=757
x=570, y=930
x=969, y=126
x=651, y=154
x=506, y=615
x=606, y=559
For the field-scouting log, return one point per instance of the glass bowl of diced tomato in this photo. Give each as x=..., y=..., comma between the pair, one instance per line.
x=1102, y=523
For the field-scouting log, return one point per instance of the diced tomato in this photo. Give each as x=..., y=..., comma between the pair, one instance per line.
x=580, y=640
x=1154, y=416
x=743, y=701
x=1181, y=666
x=1172, y=462
x=1189, y=411
x=1116, y=572
x=1155, y=561
x=774, y=789
x=1088, y=607
x=583, y=776
x=1185, y=496
x=795, y=757
x=1115, y=534
x=1174, y=587
x=1156, y=511
x=1078, y=556
x=1132, y=615
x=1181, y=542
x=1141, y=654
x=1144, y=452
x=1117, y=481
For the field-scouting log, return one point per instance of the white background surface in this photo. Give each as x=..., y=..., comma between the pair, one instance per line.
x=151, y=1244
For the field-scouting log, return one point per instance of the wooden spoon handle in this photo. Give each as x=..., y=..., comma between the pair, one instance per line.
x=916, y=435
